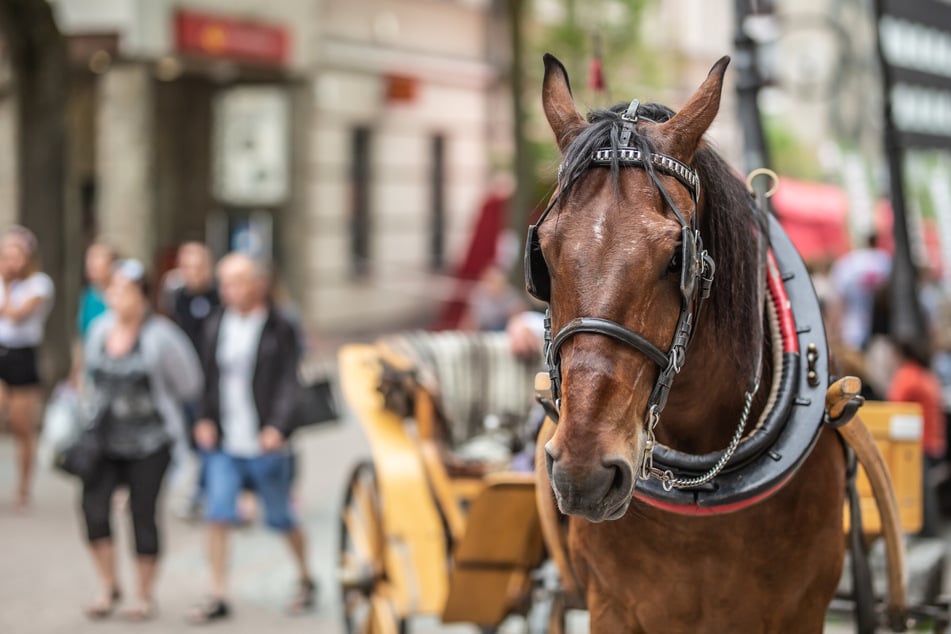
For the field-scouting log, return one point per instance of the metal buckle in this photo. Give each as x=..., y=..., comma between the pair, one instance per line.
x=631, y=113
x=630, y=119
x=648, y=470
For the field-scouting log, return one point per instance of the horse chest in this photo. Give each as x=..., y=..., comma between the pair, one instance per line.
x=768, y=568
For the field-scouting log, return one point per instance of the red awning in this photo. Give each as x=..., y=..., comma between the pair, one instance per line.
x=815, y=216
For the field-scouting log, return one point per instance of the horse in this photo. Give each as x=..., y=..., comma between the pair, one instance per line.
x=644, y=210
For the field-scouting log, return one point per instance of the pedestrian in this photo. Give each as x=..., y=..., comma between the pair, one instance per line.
x=26, y=297
x=493, y=301
x=250, y=358
x=139, y=370
x=914, y=382
x=854, y=280
x=99, y=260
x=192, y=302
x=197, y=297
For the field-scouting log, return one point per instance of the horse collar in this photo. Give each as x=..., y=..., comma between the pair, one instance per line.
x=786, y=434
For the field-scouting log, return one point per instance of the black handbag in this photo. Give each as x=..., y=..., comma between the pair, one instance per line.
x=84, y=456
x=315, y=404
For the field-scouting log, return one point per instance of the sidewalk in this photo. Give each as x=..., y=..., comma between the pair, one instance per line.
x=46, y=574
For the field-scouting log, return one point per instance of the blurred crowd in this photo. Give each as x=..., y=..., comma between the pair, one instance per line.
x=857, y=295
x=202, y=370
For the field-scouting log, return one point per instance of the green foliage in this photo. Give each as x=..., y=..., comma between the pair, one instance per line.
x=609, y=28
x=789, y=156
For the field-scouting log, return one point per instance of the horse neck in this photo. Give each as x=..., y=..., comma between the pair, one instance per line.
x=707, y=397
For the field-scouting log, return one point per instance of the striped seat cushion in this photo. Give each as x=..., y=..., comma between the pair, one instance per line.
x=473, y=376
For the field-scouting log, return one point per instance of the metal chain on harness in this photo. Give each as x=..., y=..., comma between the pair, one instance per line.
x=666, y=476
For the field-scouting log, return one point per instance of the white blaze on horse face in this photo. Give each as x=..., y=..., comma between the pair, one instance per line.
x=598, y=230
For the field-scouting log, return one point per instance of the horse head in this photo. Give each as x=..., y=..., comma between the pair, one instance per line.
x=613, y=252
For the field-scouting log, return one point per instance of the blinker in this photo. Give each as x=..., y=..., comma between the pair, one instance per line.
x=690, y=264
x=537, y=276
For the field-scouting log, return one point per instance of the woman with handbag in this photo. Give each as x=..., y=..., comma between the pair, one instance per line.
x=26, y=297
x=139, y=370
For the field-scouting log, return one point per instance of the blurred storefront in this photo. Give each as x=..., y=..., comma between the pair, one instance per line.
x=348, y=141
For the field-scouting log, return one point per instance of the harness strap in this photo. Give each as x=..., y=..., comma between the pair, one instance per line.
x=629, y=118
x=670, y=203
x=599, y=326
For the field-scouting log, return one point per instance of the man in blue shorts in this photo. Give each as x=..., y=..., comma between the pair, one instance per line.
x=249, y=355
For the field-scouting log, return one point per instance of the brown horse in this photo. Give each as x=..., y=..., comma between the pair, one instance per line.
x=613, y=252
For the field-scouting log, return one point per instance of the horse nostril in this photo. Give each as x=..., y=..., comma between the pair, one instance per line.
x=623, y=473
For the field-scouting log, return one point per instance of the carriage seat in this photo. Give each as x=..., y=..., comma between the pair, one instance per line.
x=482, y=394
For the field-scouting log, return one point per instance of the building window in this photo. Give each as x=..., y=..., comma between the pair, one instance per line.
x=360, y=180
x=437, y=189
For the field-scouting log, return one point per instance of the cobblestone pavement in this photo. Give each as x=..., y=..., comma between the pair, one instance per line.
x=46, y=574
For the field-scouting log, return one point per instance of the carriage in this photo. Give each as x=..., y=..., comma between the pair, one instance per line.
x=736, y=500
x=438, y=523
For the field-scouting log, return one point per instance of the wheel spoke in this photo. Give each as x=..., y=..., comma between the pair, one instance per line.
x=358, y=536
x=364, y=499
x=361, y=556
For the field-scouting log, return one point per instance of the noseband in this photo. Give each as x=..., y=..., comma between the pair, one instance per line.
x=697, y=275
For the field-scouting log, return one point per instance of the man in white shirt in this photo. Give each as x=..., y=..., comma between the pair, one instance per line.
x=249, y=354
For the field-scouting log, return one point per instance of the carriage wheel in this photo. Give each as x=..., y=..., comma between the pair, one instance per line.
x=366, y=605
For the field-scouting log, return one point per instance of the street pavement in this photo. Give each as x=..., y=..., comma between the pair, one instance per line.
x=46, y=575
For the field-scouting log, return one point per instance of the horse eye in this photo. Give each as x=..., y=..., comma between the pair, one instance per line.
x=676, y=262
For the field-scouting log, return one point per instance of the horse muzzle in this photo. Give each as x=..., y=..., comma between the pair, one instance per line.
x=598, y=492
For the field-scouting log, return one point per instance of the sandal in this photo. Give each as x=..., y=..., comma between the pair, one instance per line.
x=144, y=610
x=305, y=599
x=209, y=612
x=104, y=607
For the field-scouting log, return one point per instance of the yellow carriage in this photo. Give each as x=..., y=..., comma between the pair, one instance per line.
x=437, y=524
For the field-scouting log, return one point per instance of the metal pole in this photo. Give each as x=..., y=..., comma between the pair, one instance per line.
x=907, y=322
x=748, y=84
x=521, y=203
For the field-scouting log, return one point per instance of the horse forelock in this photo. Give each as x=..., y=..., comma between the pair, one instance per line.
x=727, y=220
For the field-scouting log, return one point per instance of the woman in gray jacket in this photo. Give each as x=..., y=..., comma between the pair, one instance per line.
x=139, y=370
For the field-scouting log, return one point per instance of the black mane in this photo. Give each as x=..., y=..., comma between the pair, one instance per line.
x=727, y=221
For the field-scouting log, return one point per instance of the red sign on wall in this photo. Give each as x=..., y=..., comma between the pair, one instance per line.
x=224, y=37
x=400, y=88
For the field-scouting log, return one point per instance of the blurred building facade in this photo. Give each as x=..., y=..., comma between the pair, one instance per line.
x=350, y=141
x=353, y=141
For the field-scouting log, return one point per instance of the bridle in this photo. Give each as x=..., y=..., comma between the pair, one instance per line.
x=697, y=274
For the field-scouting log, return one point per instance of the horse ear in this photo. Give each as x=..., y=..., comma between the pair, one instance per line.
x=563, y=117
x=687, y=127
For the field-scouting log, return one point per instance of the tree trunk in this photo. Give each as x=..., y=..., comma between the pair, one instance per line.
x=520, y=207
x=38, y=52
